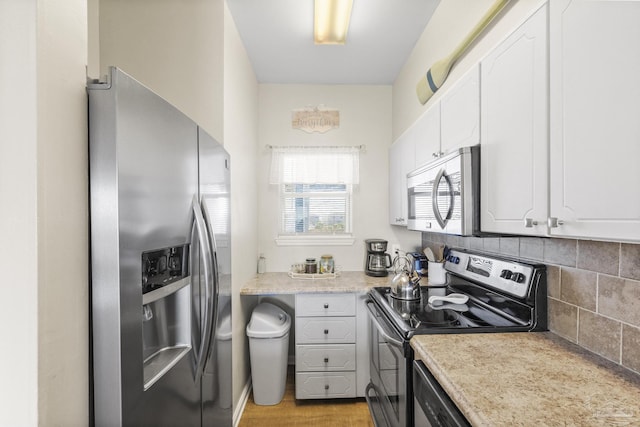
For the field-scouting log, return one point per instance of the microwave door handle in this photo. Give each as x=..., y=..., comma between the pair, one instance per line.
x=434, y=198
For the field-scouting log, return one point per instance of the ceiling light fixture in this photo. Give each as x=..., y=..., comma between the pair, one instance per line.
x=331, y=21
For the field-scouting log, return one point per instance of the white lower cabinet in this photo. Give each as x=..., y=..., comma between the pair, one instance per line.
x=326, y=385
x=329, y=333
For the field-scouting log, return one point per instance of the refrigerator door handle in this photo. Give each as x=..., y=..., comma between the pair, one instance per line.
x=207, y=256
x=215, y=280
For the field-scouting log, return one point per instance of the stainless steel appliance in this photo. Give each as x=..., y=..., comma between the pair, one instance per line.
x=376, y=261
x=160, y=262
x=502, y=295
x=444, y=195
x=432, y=406
x=419, y=262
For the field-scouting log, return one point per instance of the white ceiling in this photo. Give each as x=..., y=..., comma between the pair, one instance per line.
x=278, y=36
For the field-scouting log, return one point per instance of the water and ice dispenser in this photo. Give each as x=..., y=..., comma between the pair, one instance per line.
x=165, y=310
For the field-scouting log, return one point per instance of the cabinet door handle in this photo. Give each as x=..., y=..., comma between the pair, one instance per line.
x=326, y=386
x=326, y=360
x=326, y=305
x=554, y=222
x=529, y=222
x=326, y=332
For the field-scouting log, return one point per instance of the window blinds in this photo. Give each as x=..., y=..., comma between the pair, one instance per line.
x=315, y=165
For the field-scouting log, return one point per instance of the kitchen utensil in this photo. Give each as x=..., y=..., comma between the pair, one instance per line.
x=461, y=308
x=437, y=74
x=429, y=254
x=452, y=298
x=405, y=286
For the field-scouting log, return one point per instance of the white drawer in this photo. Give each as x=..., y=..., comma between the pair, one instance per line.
x=325, y=330
x=330, y=357
x=325, y=305
x=320, y=385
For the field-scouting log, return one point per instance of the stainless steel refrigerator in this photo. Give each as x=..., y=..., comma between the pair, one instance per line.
x=160, y=262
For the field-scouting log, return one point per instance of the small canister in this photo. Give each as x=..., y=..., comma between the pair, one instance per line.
x=310, y=266
x=326, y=264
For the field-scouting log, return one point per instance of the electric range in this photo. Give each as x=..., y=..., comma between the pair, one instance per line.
x=499, y=294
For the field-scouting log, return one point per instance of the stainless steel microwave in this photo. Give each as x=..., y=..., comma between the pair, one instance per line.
x=444, y=195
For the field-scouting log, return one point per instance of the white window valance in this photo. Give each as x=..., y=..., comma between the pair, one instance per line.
x=315, y=165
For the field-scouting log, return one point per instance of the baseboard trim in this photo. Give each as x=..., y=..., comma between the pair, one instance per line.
x=242, y=402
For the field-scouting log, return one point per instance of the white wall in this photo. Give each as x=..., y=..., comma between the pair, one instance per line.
x=63, y=297
x=240, y=140
x=191, y=54
x=174, y=47
x=450, y=23
x=18, y=214
x=43, y=180
x=365, y=118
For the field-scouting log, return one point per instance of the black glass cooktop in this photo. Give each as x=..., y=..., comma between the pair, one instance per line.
x=421, y=317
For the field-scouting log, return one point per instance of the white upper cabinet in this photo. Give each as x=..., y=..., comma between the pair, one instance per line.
x=595, y=119
x=451, y=123
x=514, y=157
x=401, y=162
x=427, y=136
x=460, y=113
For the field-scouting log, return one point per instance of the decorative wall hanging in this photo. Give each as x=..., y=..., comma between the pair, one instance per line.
x=437, y=74
x=315, y=119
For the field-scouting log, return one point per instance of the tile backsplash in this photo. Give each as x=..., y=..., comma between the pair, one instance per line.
x=593, y=288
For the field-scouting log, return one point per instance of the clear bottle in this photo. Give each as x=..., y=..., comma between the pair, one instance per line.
x=262, y=264
x=326, y=264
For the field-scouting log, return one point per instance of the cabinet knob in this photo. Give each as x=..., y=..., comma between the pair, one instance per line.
x=326, y=360
x=529, y=222
x=554, y=222
x=326, y=386
x=326, y=305
x=326, y=332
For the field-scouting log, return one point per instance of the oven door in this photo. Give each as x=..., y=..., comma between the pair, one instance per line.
x=386, y=394
x=432, y=405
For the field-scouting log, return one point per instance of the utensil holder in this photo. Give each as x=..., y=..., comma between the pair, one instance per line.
x=436, y=274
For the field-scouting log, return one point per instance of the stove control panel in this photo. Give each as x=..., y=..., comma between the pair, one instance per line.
x=510, y=277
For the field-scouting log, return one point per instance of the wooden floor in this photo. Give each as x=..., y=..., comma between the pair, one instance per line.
x=316, y=413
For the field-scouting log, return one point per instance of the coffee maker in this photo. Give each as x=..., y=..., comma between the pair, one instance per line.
x=377, y=261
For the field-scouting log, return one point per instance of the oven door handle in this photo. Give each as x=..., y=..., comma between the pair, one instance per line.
x=381, y=329
x=371, y=386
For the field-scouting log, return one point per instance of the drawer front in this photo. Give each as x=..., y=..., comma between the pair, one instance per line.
x=325, y=330
x=318, y=385
x=325, y=305
x=330, y=357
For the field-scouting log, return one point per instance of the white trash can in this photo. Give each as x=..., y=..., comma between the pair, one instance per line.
x=268, y=332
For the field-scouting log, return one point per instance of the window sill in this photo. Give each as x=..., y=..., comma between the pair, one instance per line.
x=315, y=240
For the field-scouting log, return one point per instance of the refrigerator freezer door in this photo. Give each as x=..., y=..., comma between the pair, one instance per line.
x=143, y=177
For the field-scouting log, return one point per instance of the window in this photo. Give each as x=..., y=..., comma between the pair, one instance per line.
x=315, y=188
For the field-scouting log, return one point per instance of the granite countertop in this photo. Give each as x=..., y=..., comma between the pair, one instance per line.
x=530, y=379
x=281, y=283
